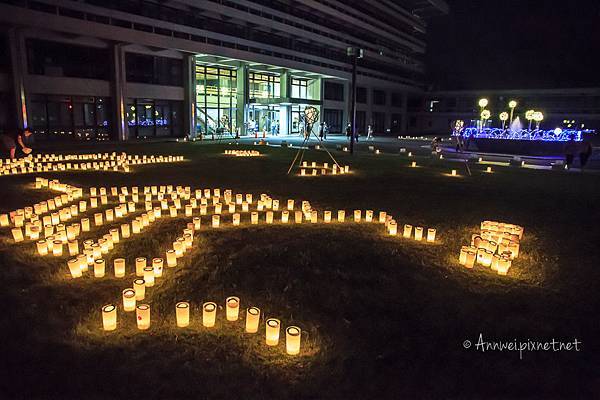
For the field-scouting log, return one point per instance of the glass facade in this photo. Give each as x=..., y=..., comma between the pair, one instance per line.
x=70, y=117
x=300, y=88
x=154, y=118
x=264, y=86
x=216, y=101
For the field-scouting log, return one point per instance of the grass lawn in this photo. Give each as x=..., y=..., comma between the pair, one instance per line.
x=382, y=317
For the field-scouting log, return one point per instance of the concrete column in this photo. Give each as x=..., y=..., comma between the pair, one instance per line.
x=119, y=99
x=189, y=95
x=242, y=98
x=285, y=84
x=19, y=67
x=285, y=117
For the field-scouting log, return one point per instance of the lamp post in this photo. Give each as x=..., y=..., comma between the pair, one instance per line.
x=354, y=53
x=503, y=118
x=538, y=117
x=482, y=105
x=512, y=105
x=529, y=116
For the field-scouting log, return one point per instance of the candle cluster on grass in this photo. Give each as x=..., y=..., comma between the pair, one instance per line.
x=242, y=153
x=495, y=246
x=313, y=168
x=80, y=162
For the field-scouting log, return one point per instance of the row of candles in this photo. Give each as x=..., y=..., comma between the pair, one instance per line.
x=313, y=168
x=83, y=162
x=242, y=153
x=495, y=246
x=131, y=296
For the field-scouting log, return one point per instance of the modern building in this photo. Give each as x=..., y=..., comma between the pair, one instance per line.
x=122, y=69
x=576, y=108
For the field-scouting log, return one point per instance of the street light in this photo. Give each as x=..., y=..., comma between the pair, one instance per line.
x=503, y=118
x=512, y=105
x=529, y=116
x=355, y=53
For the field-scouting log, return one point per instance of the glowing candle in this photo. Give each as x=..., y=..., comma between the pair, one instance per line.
x=98, y=219
x=285, y=217
x=110, y=215
x=4, y=221
x=462, y=258
x=292, y=340
x=85, y=224
x=341, y=217
x=357, y=215
x=128, y=300
x=431, y=235
x=197, y=223
x=418, y=233
x=109, y=317
x=17, y=234
x=393, y=228
x=142, y=313
x=453, y=172
x=272, y=331
x=119, y=266
x=99, y=268
x=42, y=247
x=298, y=216
x=74, y=268
x=269, y=217
x=182, y=314
x=140, y=264
x=233, y=308
x=216, y=221
x=125, y=231
x=157, y=266
x=407, y=231
x=57, y=248
x=139, y=285
x=252, y=319
x=470, y=259
x=209, y=314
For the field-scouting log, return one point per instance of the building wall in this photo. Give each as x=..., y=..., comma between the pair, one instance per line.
x=306, y=36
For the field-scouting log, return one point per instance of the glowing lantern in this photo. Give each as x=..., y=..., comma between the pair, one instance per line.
x=232, y=308
x=393, y=228
x=298, y=216
x=488, y=169
x=272, y=331
x=17, y=234
x=341, y=217
x=407, y=231
x=431, y=235
x=109, y=317
x=140, y=264
x=128, y=300
x=252, y=319
x=139, y=285
x=182, y=314
x=369, y=216
x=119, y=266
x=292, y=340
x=290, y=204
x=470, y=259
x=357, y=215
x=453, y=172
x=125, y=231
x=269, y=217
x=209, y=314
x=42, y=247
x=418, y=233
x=285, y=217
x=157, y=266
x=327, y=217
x=57, y=248
x=171, y=258
x=98, y=219
x=216, y=221
x=236, y=219
x=314, y=216
x=142, y=314
x=85, y=224
x=99, y=268
x=74, y=268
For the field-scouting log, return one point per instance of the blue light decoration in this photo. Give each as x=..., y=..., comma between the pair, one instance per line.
x=554, y=135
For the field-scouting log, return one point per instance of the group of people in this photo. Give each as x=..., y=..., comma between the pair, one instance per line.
x=10, y=141
x=356, y=135
x=582, y=149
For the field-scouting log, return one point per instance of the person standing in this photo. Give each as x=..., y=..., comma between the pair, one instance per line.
x=321, y=131
x=325, y=130
x=10, y=141
x=349, y=131
x=370, y=132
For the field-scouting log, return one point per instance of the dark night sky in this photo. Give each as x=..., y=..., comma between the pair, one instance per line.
x=515, y=44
